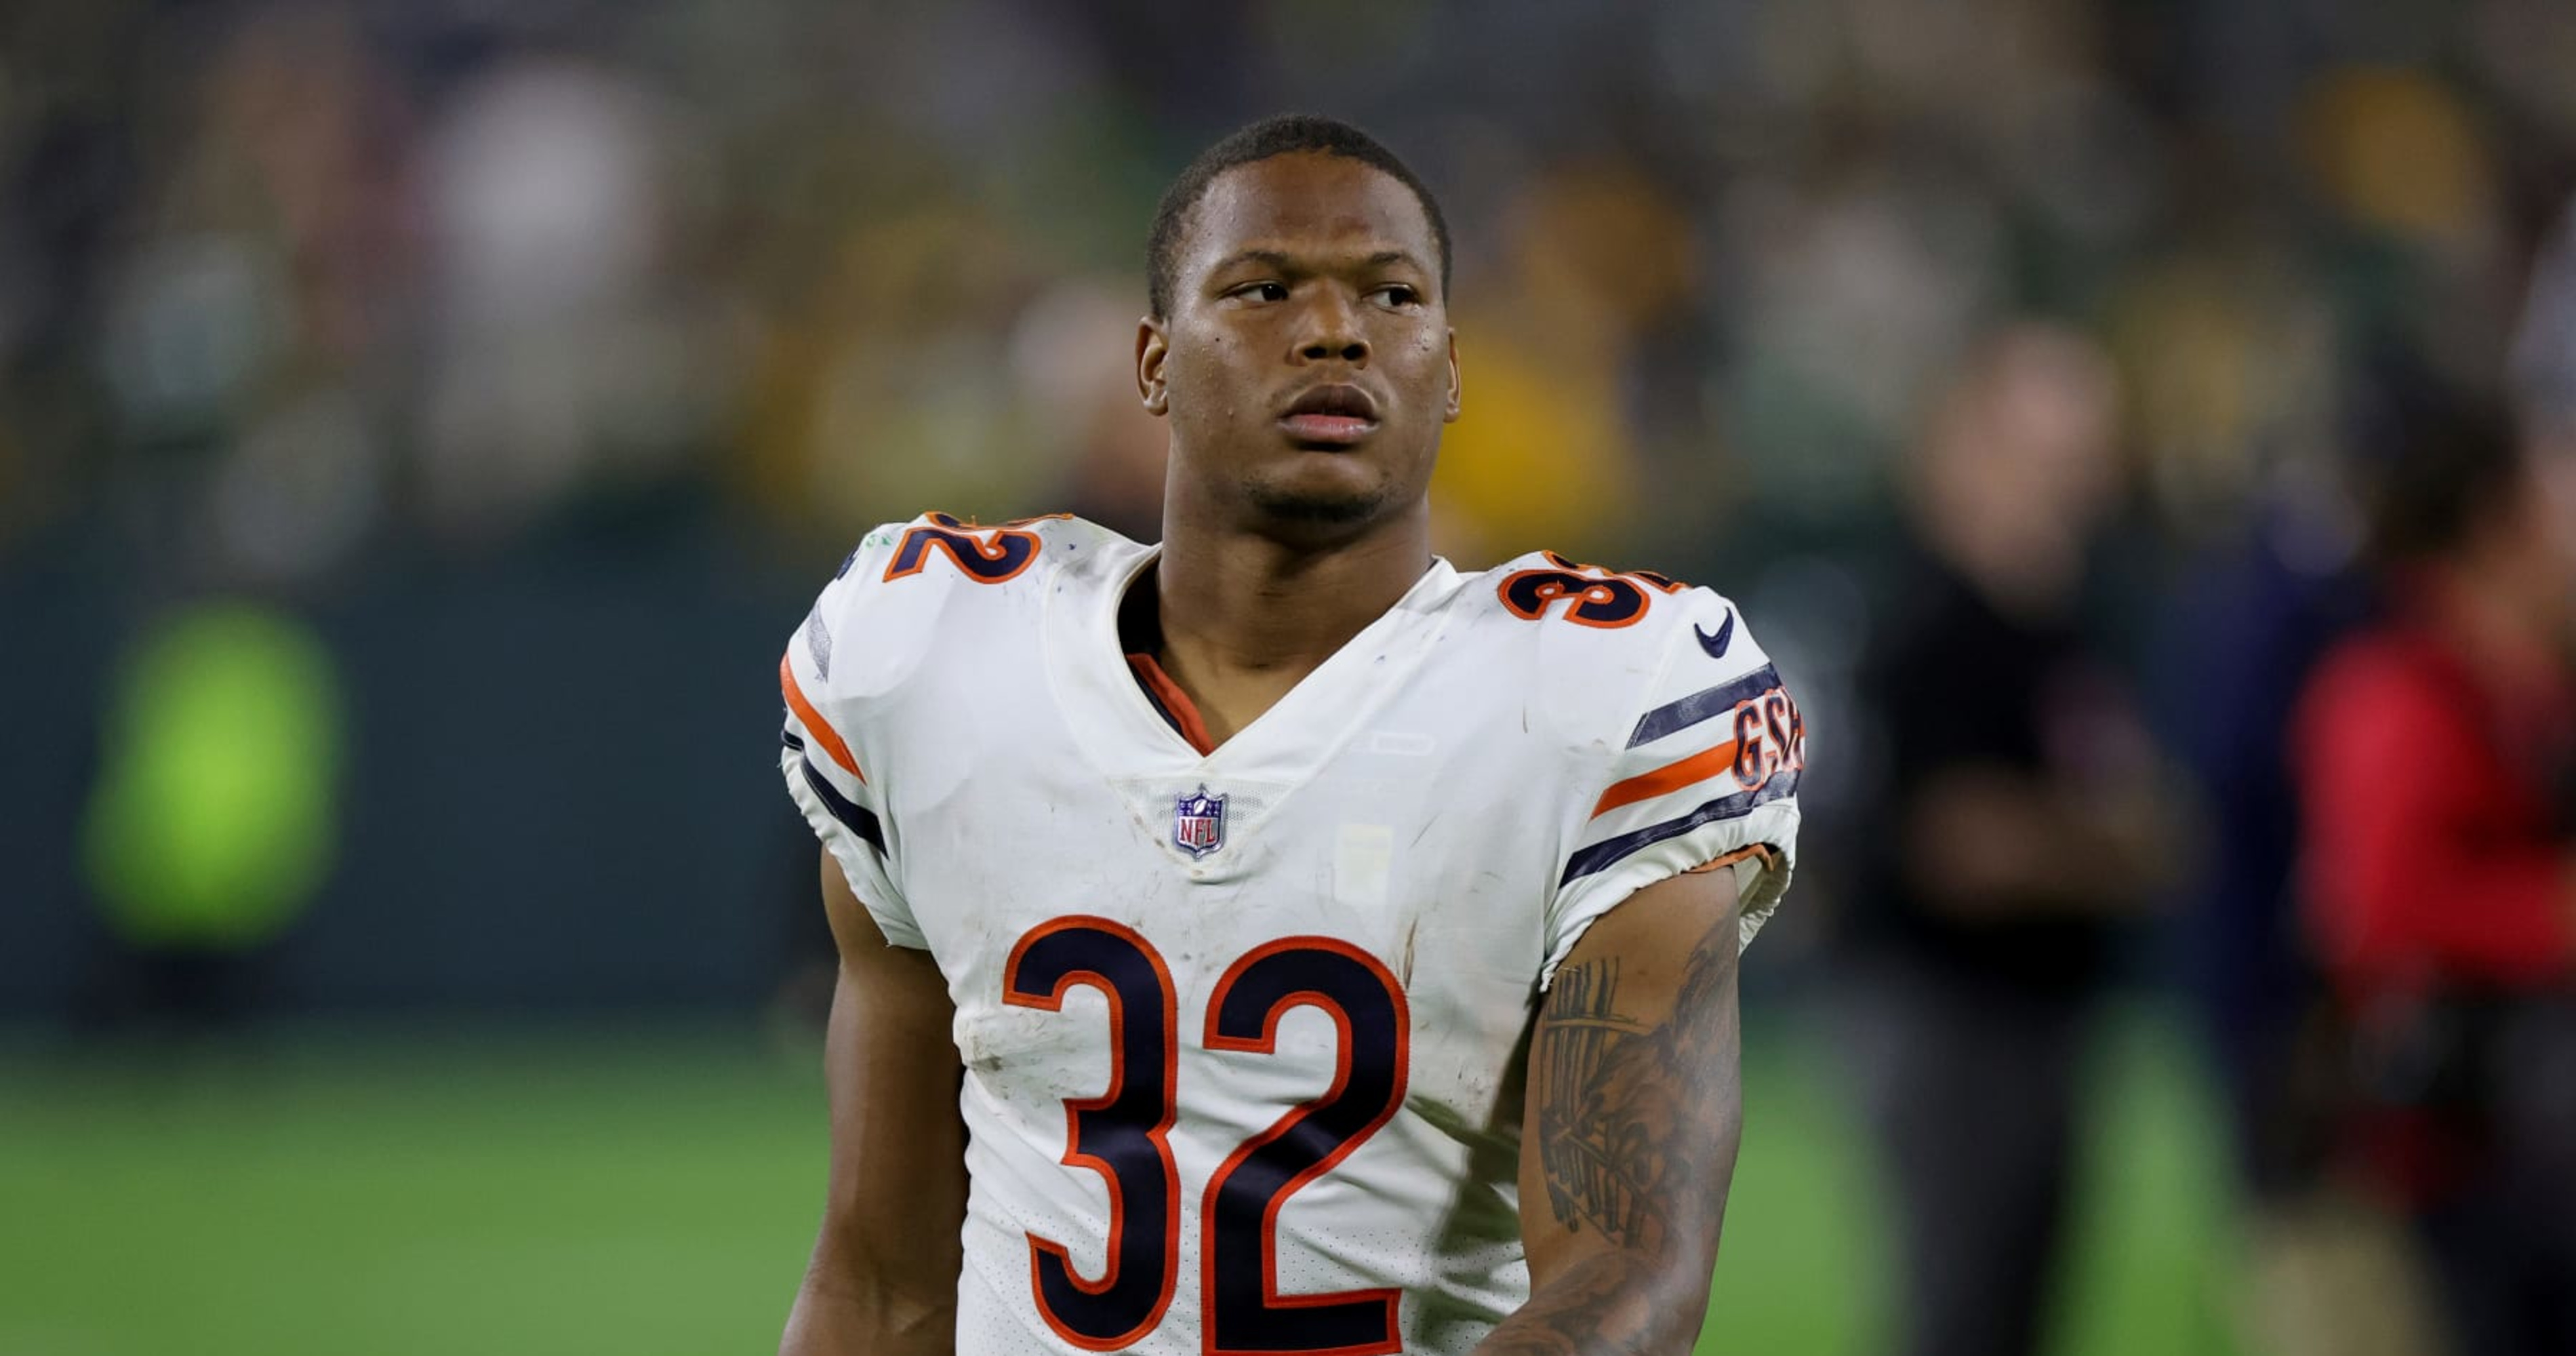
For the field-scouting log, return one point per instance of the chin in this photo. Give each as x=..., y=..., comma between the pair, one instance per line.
x=1321, y=510
x=1320, y=500
x=1323, y=488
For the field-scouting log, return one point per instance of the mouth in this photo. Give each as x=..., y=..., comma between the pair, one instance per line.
x=1330, y=416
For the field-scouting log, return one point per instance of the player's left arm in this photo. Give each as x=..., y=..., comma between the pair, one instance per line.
x=1634, y=1113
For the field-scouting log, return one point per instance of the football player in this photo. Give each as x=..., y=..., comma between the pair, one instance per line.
x=1275, y=939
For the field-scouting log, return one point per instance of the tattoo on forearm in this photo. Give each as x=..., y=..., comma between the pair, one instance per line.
x=1637, y=1121
x=1576, y=1135
x=1592, y=1313
x=1626, y=1128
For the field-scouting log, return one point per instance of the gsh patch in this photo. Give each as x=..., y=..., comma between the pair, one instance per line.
x=1198, y=822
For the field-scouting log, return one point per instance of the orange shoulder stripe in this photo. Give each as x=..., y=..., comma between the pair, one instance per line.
x=1761, y=850
x=1699, y=767
x=820, y=728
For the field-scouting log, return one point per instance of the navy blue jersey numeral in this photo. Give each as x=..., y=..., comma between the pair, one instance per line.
x=1122, y=1134
x=1239, y=1218
x=1607, y=602
x=987, y=555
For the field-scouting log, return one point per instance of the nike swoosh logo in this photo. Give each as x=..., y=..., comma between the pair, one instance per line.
x=1716, y=644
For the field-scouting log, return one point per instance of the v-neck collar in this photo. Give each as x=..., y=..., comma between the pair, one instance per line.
x=1086, y=655
x=1176, y=706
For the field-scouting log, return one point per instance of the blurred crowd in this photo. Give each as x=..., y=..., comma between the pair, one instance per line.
x=2142, y=428
x=290, y=285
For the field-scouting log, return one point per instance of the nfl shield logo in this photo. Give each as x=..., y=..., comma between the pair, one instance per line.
x=1198, y=822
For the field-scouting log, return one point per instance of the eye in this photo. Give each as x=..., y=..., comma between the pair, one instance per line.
x=1262, y=291
x=1398, y=295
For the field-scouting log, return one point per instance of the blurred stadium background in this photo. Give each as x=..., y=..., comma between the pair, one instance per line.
x=421, y=422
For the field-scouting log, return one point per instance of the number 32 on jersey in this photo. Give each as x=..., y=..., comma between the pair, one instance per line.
x=1123, y=1135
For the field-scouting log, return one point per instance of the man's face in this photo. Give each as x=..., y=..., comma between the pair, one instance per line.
x=1307, y=364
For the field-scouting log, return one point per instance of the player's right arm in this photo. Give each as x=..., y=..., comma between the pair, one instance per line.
x=883, y=1280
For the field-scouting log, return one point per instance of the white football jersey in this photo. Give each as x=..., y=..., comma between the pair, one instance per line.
x=1239, y=1029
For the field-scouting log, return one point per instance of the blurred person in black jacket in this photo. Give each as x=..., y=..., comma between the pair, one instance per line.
x=2015, y=831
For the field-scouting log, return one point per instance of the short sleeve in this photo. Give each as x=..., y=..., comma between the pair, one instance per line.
x=822, y=768
x=1704, y=774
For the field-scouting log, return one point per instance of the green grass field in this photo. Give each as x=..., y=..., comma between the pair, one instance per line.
x=639, y=1195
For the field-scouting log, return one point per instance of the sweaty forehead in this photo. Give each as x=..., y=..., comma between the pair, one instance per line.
x=1306, y=203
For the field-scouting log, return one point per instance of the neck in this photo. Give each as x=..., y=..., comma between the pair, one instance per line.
x=1238, y=603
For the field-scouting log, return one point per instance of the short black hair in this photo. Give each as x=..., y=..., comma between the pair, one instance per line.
x=1287, y=134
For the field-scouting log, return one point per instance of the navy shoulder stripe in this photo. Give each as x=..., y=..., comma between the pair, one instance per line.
x=855, y=817
x=1609, y=852
x=1705, y=704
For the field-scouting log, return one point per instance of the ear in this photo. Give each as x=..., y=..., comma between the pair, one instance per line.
x=1450, y=415
x=1151, y=350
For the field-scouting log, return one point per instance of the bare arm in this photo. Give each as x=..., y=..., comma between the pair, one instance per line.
x=1628, y=1142
x=884, y=1276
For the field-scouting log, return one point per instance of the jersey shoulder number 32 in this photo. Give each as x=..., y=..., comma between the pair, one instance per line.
x=1705, y=755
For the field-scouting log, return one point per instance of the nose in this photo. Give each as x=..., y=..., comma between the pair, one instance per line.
x=1332, y=331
